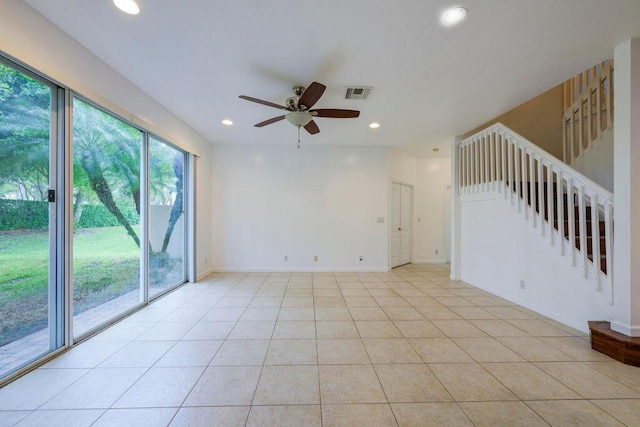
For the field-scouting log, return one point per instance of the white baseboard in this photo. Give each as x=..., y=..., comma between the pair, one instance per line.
x=429, y=261
x=625, y=329
x=298, y=270
x=204, y=274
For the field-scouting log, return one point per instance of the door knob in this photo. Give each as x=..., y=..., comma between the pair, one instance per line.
x=399, y=229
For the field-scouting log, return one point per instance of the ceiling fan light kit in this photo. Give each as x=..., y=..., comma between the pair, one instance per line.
x=299, y=109
x=299, y=118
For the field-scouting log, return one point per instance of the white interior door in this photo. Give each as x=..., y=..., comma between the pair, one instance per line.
x=395, y=225
x=400, y=224
x=405, y=224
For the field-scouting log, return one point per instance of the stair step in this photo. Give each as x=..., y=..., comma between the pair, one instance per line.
x=532, y=197
x=603, y=244
x=589, y=227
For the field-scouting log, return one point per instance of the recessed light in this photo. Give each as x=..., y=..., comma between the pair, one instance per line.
x=453, y=16
x=374, y=125
x=227, y=122
x=127, y=6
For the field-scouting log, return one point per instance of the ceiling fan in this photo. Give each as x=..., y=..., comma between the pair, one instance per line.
x=299, y=109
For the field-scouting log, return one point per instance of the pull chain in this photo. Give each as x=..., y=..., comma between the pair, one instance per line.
x=298, y=137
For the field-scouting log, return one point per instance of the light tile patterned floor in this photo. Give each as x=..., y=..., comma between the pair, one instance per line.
x=408, y=348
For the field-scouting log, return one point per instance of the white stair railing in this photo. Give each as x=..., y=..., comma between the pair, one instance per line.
x=551, y=195
x=588, y=109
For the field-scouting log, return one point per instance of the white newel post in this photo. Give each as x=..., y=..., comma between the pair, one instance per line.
x=626, y=252
x=455, y=209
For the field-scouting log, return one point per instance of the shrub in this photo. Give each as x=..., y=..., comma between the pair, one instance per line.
x=34, y=215
x=23, y=215
x=94, y=216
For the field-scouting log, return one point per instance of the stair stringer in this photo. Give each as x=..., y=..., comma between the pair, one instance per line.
x=499, y=250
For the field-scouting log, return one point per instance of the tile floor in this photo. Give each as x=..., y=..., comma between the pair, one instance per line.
x=408, y=348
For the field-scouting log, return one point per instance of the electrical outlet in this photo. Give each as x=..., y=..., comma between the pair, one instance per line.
x=286, y=257
x=315, y=258
x=436, y=252
x=522, y=284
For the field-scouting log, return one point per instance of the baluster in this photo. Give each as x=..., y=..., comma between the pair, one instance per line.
x=589, y=119
x=609, y=95
x=468, y=167
x=608, y=235
x=564, y=140
x=516, y=161
x=492, y=162
x=580, y=123
x=476, y=153
x=503, y=158
x=523, y=184
x=532, y=192
x=485, y=161
x=472, y=162
x=560, y=205
x=541, y=201
x=571, y=211
x=595, y=238
x=512, y=179
x=572, y=136
x=582, y=218
x=599, y=108
x=550, y=199
x=482, y=162
x=461, y=167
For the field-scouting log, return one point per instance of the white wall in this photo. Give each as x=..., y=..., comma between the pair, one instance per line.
x=596, y=162
x=433, y=176
x=499, y=248
x=30, y=38
x=277, y=200
x=403, y=168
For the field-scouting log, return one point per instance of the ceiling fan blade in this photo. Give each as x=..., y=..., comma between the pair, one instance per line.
x=268, y=122
x=312, y=127
x=260, y=101
x=336, y=113
x=311, y=95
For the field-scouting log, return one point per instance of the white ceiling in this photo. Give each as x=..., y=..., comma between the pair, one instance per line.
x=430, y=83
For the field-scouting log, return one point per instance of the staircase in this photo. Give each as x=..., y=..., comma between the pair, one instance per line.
x=570, y=210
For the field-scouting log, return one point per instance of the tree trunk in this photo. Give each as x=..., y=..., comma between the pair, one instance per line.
x=77, y=209
x=176, y=209
x=101, y=187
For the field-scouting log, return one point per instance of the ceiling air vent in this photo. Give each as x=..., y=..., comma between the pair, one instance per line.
x=361, y=92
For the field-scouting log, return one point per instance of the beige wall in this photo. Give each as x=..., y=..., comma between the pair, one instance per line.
x=539, y=120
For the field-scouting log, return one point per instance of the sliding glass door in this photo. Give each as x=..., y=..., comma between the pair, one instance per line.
x=92, y=218
x=166, y=217
x=106, y=217
x=30, y=303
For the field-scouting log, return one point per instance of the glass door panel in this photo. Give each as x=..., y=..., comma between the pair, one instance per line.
x=166, y=217
x=29, y=305
x=106, y=217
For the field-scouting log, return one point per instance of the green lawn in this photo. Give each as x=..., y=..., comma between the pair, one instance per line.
x=106, y=265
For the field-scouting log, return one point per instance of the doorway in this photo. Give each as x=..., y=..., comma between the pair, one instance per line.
x=401, y=208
